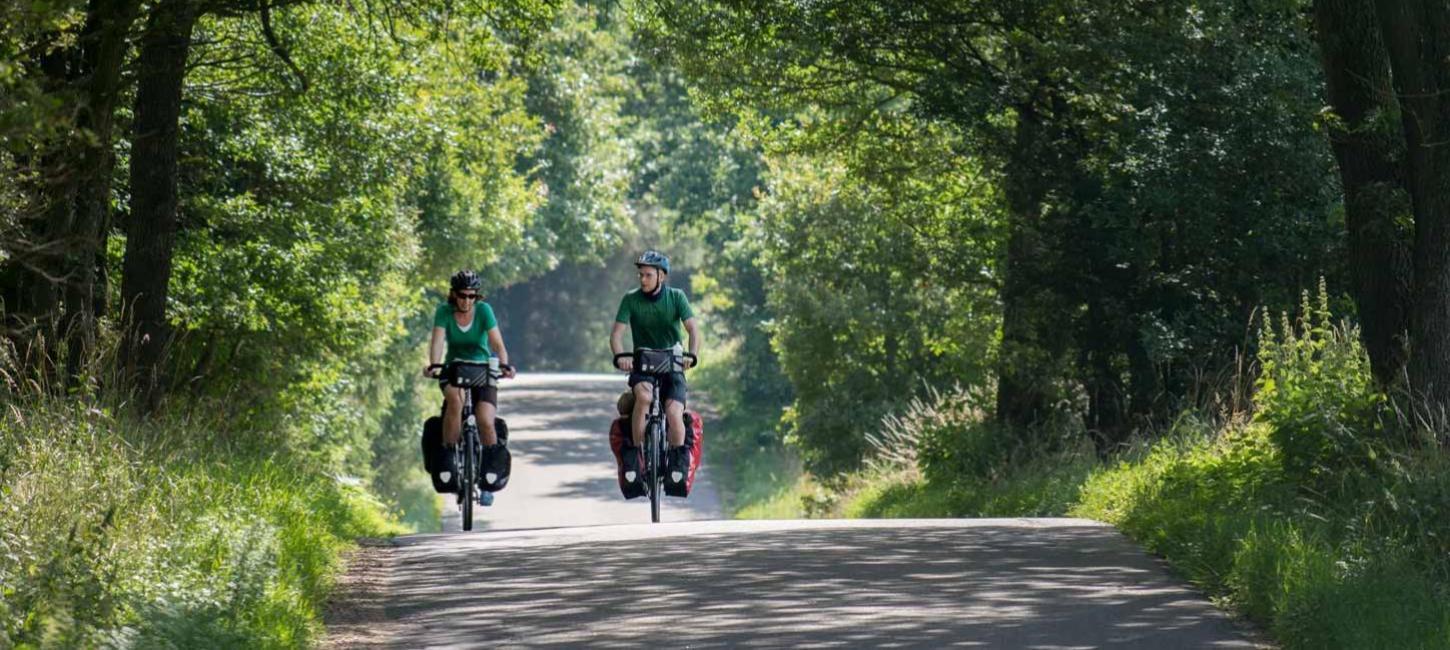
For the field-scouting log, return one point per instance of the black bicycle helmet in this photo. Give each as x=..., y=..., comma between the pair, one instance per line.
x=654, y=258
x=465, y=279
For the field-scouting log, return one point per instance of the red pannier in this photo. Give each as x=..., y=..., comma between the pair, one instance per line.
x=694, y=441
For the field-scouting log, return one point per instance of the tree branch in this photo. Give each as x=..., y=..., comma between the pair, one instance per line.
x=276, y=45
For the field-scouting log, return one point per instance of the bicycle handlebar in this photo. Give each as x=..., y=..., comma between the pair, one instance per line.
x=441, y=366
x=693, y=357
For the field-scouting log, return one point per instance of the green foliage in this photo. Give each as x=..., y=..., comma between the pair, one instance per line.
x=578, y=91
x=1316, y=394
x=1150, y=202
x=313, y=224
x=942, y=457
x=946, y=435
x=1193, y=496
x=877, y=255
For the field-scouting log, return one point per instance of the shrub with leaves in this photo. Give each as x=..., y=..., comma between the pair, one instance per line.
x=944, y=433
x=1316, y=393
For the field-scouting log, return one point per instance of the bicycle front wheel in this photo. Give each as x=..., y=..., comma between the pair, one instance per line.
x=465, y=486
x=656, y=476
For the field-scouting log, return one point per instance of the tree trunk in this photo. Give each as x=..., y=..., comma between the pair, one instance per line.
x=1102, y=379
x=1369, y=144
x=1417, y=36
x=151, y=228
x=1022, y=396
x=102, y=53
x=59, y=269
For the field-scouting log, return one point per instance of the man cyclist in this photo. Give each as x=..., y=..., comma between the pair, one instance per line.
x=466, y=329
x=653, y=313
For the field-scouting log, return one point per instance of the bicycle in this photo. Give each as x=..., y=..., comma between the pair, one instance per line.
x=656, y=363
x=469, y=375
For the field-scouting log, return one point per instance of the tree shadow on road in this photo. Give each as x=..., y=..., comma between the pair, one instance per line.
x=869, y=587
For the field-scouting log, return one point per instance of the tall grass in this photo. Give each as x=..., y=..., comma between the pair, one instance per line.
x=178, y=531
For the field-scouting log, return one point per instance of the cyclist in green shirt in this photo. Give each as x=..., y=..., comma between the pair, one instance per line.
x=654, y=313
x=466, y=329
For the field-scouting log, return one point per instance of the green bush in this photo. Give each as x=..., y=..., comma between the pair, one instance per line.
x=942, y=457
x=1316, y=393
x=947, y=436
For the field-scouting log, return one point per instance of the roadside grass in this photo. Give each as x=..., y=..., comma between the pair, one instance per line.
x=1348, y=570
x=1042, y=488
x=767, y=484
x=1363, y=568
x=115, y=532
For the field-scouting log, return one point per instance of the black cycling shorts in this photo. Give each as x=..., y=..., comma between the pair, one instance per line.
x=487, y=394
x=672, y=387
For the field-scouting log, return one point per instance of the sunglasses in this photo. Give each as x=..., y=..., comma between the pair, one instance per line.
x=467, y=296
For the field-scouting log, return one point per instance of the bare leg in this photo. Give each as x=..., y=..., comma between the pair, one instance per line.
x=641, y=411
x=486, y=413
x=675, y=416
x=452, y=414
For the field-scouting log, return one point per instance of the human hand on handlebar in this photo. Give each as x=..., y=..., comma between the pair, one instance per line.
x=691, y=360
x=624, y=361
x=433, y=370
x=507, y=371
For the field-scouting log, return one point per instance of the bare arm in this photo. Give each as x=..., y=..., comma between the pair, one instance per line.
x=436, y=347
x=693, y=330
x=616, y=346
x=495, y=343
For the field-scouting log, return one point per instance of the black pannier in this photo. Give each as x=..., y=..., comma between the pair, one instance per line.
x=497, y=462
x=438, y=459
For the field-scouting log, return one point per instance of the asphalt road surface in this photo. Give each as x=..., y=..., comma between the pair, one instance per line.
x=566, y=564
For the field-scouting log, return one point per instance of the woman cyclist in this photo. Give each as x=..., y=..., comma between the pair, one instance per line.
x=466, y=329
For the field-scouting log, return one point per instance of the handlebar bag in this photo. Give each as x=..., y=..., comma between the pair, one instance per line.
x=473, y=375
x=657, y=362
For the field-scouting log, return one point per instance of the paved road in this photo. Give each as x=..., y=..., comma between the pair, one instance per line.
x=554, y=583
x=563, y=470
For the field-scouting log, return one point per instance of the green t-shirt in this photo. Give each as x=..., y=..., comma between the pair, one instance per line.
x=655, y=324
x=466, y=344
